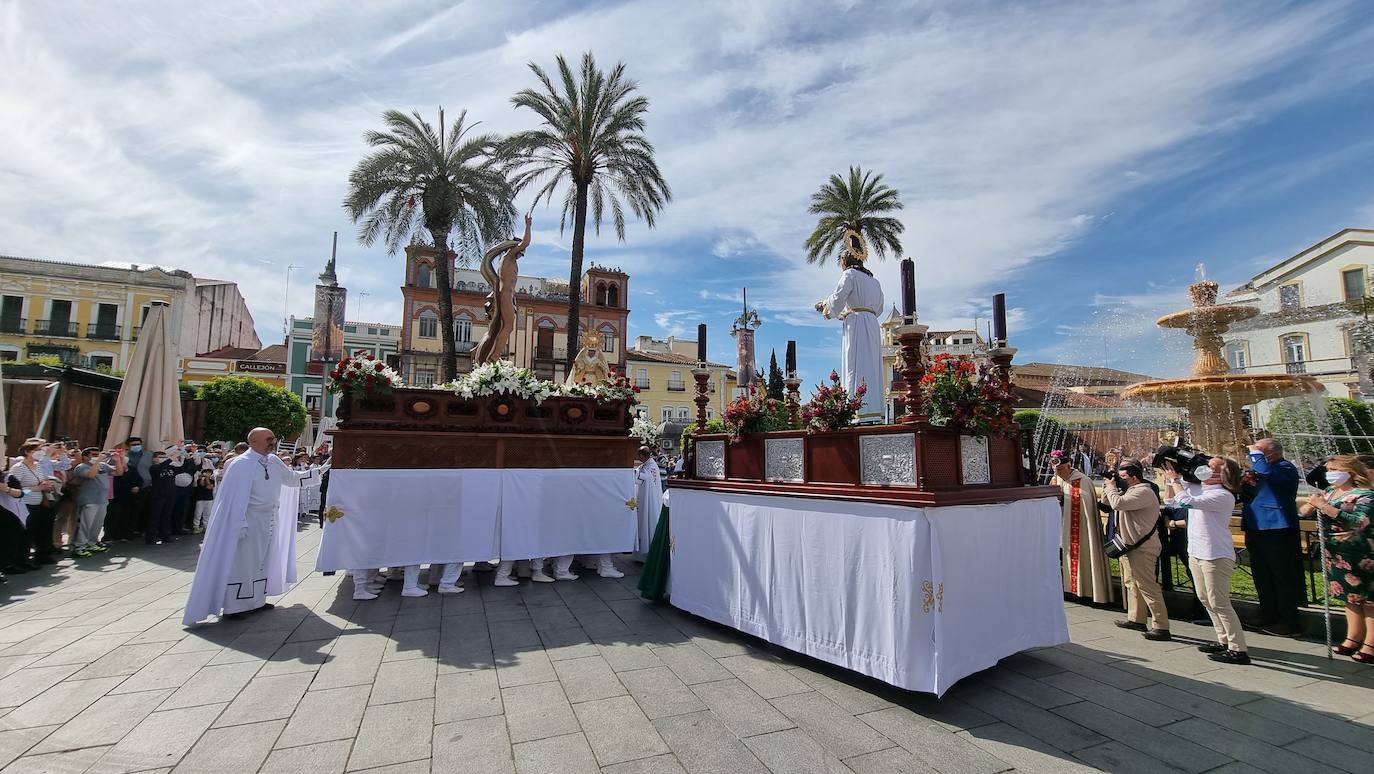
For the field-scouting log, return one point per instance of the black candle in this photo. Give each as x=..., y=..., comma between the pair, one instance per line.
x=791, y=358
x=908, y=287
x=701, y=343
x=999, y=320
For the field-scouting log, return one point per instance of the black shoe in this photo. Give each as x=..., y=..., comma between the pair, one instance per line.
x=1281, y=630
x=1158, y=635
x=233, y=616
x=1132, y=625
x=1231, y=657
x=1212, y=647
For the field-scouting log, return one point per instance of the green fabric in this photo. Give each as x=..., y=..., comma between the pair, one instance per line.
x=653, y=581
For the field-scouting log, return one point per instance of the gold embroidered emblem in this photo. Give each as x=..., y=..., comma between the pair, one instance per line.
x=333, y=513
x=672, y=544
x=932, y=598
x=632, y=503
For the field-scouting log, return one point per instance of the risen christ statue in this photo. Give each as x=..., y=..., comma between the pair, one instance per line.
x=500, y=304
x=855, y=302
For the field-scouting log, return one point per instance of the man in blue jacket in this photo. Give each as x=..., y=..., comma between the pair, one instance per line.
x=1270, y=522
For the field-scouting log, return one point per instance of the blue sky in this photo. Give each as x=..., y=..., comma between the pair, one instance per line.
x=1082, y=157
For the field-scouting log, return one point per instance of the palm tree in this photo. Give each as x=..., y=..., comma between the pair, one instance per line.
x=592, y=139
x=448, y=184
x=855, y=204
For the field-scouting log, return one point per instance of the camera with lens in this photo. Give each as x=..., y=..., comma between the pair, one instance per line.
x=1183, y=459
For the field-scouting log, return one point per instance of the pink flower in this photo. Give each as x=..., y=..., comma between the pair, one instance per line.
x=1335, y=589
x=1352, y=580
x=1367, y=565
x=834, y=376
x=1340, y=564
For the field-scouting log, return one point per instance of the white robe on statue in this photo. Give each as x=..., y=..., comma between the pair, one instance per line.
x=250, y=548
x=856, y=302
x=649, y=494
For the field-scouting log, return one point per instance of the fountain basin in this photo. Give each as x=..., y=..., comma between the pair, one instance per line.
x=1234, y=389
x=1207, y=318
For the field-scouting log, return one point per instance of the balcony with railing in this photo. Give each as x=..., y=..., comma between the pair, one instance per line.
x=102, y=331
x=62, y=328
x=1329, y=366
x=642, y=384
x=677, y=386
x=12, y=325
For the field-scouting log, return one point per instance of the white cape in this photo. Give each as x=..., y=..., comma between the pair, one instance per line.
x=649, y=493
x=221, y=540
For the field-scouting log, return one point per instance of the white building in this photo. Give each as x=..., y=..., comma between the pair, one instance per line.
x=1308, y=304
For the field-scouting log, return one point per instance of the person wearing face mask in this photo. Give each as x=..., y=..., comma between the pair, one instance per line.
x=1137, y=519
x=1270, y=522
x=182, y=504
x=37, y=488
x=1211, y=553
x=1346, y=509
x=161, y=502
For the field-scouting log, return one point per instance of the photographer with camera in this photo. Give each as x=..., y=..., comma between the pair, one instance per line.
x=1211, y=552
x=1136, y=546
x=1270, y=521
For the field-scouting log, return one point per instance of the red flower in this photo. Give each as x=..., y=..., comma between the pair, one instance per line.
x=636, y=389
x=834, y=375
x=379, y=365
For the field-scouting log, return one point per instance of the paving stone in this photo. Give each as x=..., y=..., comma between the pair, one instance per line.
x=136, y=622
x=947, y=712
x=52, y=640
x=659, y=692
x=297, y=657
x=266, y=698
x=84, y=650
x=1016, y=748
x=509, y=637
x=1223, y=714
x=51, y=763
x=617, y=730
x=19, y=741
x=160, y=740
x=936, y=746
x=467, y=695
x=17, y=688
x=11, y=664
x=745, y=712
x=212, y=685
x=252, y=645
x=853, y=699
x=393, y=733
x=321, y=758
x=587, y=679
x=413, y=644
x=58, y=704
x=404, y=681
x=659, y=764
x=524, y=668
x=1337, y=756
x=625, y=656
x=546, y=617
x=838, y=731
x=411, y=620
x=475, y=744
x=764, y=675
x=349, y=665
x=567, y=642
x=123, y=660
x=568, y=753
x=1148, y=740
x=602, y=624
x=327, y=715
x=794, y=750
x=893, y=760
x=105, y=722
x=1348, y=698
x=691, y=664
x=232, y=750
x=1114, y=756
x=702, y=743
x=166, y=630
x=1093, y=670
x=537, y=711
x=167, y=671
x=1335, y=728
x=1241, y=747
x=1039, y=723
x=1037, y=692
x=1130, y=704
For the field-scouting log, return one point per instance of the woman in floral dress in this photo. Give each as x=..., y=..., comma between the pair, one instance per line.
x=1346, y=508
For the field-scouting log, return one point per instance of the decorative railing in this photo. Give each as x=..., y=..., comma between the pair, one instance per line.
x=102, y=331
x=64, y=328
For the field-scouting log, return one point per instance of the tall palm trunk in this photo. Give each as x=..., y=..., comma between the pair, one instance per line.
x=575, y=274
x=449, y=361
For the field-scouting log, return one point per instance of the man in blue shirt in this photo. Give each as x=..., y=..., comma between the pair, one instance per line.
x=1270, y=522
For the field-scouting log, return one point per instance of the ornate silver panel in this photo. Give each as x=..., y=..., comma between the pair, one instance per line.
x=782, y=459
x=888, y=459
x=711, y=459
x=973, y=450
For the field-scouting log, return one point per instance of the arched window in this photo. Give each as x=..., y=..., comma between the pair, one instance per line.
x=543, y=339
x=422, y=275
x=613, y=295
x=429, y=324
x=607, y=339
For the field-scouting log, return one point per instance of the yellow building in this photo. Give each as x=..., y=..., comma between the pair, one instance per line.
x=266, y=365
x=91, y=315
x=662, y=370
x=964, y=341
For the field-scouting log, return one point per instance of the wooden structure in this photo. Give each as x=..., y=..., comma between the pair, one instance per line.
x=80, y=409
x=421, y=428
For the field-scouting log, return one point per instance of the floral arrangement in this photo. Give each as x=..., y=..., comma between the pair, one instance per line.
x=755, y=412
x=831, y=406
x=501, y=377
x=967, y=395
x=646, y=431
x=361, y=375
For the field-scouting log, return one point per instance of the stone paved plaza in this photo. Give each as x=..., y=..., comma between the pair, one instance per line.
x=99, y=675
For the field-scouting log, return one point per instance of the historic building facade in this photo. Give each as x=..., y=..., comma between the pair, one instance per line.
x=662, y=370
x=91, y=315
x=539, y=341
x=305, y=374
x=266, y=365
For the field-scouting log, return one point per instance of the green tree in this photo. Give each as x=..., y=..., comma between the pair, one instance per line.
x=446, y=183
x=591, y=140
x=1309, y=435
x=775, y=385
x=238, y=404
x=858, y=202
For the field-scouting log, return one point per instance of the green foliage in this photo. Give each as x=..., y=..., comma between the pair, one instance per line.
x=1294, y=423
x=775, y=385
x=238, y=404
x=43, y=360
x=858, y=202
x=1051, y=435
x=108, y=371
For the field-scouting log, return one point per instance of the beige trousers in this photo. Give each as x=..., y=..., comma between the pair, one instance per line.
x=1212, y=579
x=1142, y=590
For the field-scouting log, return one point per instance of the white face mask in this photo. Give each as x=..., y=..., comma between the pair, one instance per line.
x=1337, y=477
x=40, y=455
x=1203, y=473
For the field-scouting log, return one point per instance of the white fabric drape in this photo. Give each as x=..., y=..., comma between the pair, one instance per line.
x=393, y=518
x=915, y=597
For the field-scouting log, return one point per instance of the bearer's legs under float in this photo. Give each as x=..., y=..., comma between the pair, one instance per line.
x=448, y=582
x=412, y=587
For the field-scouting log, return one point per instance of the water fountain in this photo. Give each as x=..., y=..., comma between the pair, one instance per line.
x=1212, y=395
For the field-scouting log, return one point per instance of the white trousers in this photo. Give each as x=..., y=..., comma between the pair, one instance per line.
x=201, y=518
x=90, y=520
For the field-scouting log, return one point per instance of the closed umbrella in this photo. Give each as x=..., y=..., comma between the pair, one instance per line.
x=149, y=403
x=306, y=440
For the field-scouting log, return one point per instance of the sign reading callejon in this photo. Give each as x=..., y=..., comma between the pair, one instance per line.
x=260, y=367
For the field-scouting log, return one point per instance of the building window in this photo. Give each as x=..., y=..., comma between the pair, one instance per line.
x=607, y=340
x=393, y=361
x=613, y=295
x=683, y=414
x=642, y=378
x=422, y=275
x=424, y=377
x=12, y=314
x=384, y=331
x=1294, y=348
x=710, y=414
x=106, y=361
x=462, y=330
x=372, y=331
x=675, y=381
x=429, y=325
x=9, y=354
x=1290, y=297
x=667, y=413
x=1352, y=282
x=1237, y=356
x=350, y=329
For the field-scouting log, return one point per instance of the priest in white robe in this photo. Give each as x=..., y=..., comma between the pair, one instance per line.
x=250, y=548
x=855, y=303
x=648, y=499
x=1087, y=576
